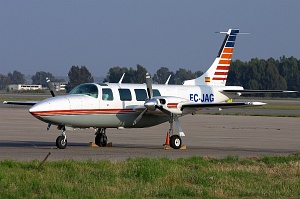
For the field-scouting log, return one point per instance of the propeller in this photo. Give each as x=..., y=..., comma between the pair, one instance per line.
x=51, y=88
x=150, y=103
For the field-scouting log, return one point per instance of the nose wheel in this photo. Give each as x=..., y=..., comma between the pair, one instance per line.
x=61, y=141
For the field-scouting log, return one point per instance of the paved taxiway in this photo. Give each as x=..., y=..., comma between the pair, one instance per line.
x=22, y=137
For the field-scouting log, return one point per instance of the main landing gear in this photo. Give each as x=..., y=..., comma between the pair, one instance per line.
x=175, y=140
x=101, y=138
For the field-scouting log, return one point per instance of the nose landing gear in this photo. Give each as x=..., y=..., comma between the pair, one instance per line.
x=61, y=141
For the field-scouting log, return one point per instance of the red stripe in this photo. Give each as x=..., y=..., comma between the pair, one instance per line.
x=219, y=78
x=222, y=61
x=172, y=105
x=221, y=73
x=223, y=68
x=82, y=112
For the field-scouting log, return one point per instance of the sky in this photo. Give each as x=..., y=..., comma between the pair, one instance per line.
x=52, y=36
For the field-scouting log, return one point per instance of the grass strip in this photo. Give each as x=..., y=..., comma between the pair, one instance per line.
x=196, y=177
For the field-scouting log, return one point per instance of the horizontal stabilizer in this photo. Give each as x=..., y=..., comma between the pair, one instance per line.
x=246, y=91
x=29, y=103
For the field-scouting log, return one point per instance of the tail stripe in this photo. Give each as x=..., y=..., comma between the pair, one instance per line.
x=223, y=68
x=228, y=50
x=225, y=57
x=217, y=73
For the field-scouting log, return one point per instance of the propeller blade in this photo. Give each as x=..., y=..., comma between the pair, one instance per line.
x=163, y=110
x=139, y=117
x=149, y=86
x=48, y=127
x=50, y=86
x=150, y=95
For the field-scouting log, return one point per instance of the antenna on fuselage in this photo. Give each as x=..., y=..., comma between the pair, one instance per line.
x=167, y=82
x=121, y=78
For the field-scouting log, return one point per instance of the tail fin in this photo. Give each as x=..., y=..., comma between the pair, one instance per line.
x=216, y=75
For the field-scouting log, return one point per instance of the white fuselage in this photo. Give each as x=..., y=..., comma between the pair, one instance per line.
x=114, y=105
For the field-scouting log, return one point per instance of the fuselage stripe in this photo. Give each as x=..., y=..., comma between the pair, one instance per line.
x=83, y=112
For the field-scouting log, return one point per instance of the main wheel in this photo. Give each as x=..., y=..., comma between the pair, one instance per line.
x=61, y=143
x=101, y=139
x=175, y=141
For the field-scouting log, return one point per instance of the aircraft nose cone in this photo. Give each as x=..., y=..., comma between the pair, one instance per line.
x=49, y=107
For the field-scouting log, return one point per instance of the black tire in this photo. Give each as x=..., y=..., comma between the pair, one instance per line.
x=101, y=140
x=60, y=143
x=175, y=141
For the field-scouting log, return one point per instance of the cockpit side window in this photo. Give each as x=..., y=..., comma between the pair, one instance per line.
x=85, y=89
x=107, y=94
x=125, y=94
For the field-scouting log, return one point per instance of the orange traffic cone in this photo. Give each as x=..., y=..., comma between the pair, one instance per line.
x=167, y=140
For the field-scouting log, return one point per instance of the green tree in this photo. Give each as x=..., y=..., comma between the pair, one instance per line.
x=16, y=78
x=289, y=68
x=78, y=76
x=183, y=74
x=131, y=76
x=140, y=75
x=40, y=78
x=4, y=81
x=162, y=75
x=115, y=73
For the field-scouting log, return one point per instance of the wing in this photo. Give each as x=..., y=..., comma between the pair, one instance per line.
x=29, y=103
x=220, y=105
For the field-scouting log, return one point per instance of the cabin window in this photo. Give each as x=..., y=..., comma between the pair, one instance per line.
x=156, y=93
x=107, y=94
x=140, y=94
x=86, y=89
x=125, y=94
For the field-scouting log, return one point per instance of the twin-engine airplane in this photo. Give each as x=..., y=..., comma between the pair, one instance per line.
x=120, y=105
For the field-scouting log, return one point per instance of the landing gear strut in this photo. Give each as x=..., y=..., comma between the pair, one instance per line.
x=61, y=141
x=175, y=140
x=101, y=138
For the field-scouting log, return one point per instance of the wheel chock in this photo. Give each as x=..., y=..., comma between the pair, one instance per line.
x=167, y=147
x=109, y=144
x=92, y=144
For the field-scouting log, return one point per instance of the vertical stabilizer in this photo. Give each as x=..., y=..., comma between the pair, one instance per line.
x=216, y=75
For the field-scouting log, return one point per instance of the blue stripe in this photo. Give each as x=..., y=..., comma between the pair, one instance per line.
x=229, y=44
x=234, y=31
x=231, y=38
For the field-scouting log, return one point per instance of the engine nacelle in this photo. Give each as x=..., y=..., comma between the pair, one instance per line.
x=171, y=104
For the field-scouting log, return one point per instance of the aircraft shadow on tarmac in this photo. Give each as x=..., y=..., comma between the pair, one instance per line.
x=21, y=144
x=47, y=145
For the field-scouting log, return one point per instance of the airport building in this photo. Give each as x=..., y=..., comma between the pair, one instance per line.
x=24, y=87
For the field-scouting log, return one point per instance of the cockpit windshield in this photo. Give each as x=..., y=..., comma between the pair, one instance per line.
x=86, y=89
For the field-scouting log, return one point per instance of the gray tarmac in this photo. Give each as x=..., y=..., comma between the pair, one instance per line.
x=22, y=137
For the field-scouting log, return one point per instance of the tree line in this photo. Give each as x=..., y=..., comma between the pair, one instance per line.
x=77, y=75
x=283, y=74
